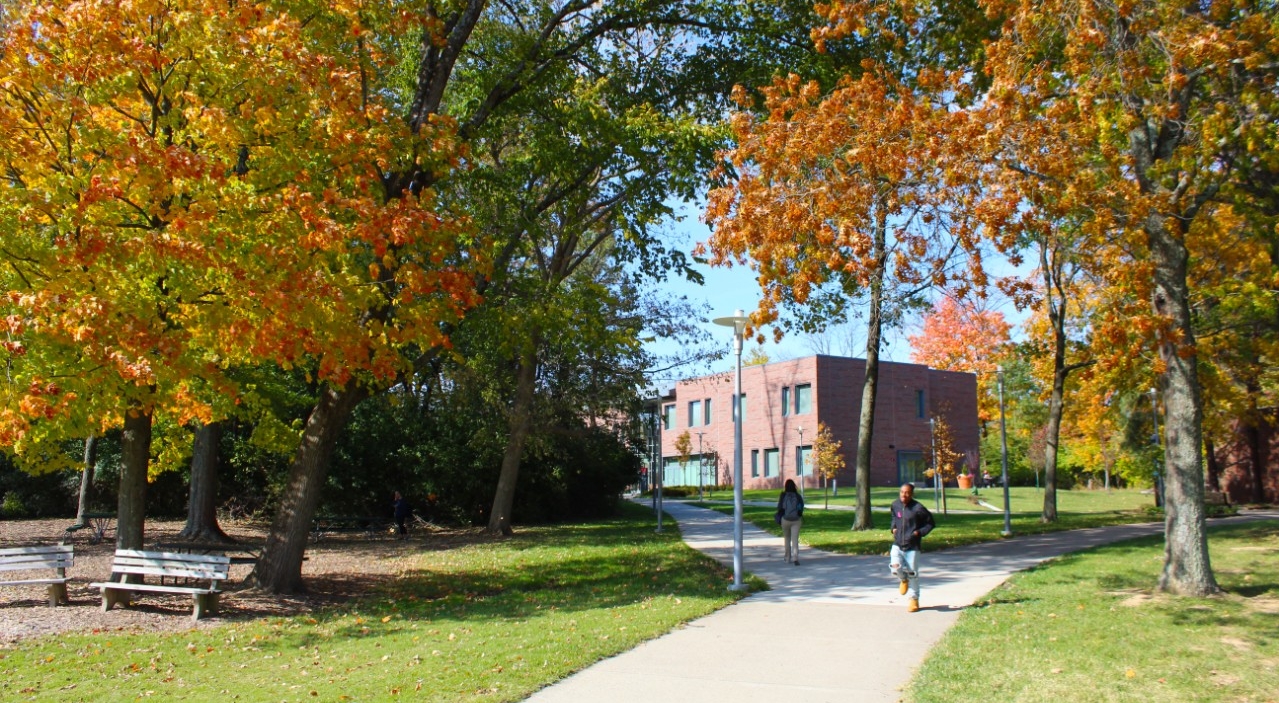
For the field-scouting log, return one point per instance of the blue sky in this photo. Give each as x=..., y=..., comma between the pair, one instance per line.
x=729, y=289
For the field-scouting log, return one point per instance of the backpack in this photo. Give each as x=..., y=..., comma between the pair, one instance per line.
x=792, y=506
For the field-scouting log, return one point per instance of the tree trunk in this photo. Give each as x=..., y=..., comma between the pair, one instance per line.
x=866, y=423
x=135, y=457
x=202, y=518
x=1056, y=318
x=504, y=497
x=279, y=569
x=1214, y=465
x=86, y=478
x=1186, y=570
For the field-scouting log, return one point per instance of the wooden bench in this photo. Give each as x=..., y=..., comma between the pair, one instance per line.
x=58, y=557
x=200, y=575
x=370, y=526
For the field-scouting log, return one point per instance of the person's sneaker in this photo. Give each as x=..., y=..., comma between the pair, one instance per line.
x=913, y=606
x=905, y=586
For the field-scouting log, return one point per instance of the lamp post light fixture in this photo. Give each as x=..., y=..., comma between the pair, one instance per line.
x=1003, y=451
x=800, y=463
x=1154, y=439
x=738, y=322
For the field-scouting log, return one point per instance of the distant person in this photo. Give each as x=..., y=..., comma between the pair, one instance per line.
x=911, y=522
x=402, y=513
x=790, y=513
x=986, y=479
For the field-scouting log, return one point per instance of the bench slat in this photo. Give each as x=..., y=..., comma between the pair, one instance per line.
x=32, y=581
x=114, y=586
x=171, y=556
x=42, y=549
x=26, y=564
x=169, y=572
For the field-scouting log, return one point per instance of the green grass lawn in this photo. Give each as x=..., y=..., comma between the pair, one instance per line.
x=492, y=622
x=965, y=523
x=1088, y=627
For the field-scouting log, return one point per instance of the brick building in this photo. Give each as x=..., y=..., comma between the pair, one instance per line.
x=785, y=400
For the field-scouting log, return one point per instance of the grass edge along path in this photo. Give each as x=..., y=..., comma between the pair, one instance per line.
x=1088, y=627
x=491, y=621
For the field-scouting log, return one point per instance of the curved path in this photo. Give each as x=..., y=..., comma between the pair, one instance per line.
x=831, y=629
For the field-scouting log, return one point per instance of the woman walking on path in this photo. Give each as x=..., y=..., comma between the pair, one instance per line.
x=790, y=514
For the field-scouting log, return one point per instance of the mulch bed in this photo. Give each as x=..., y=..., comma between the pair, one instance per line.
x=336, y=571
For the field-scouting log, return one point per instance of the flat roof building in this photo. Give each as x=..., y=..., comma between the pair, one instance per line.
x=785, y=400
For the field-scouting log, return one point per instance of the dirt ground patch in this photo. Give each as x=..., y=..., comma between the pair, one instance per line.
x=336, y=570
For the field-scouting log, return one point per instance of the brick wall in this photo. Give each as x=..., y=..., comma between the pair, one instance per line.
x=836, y=384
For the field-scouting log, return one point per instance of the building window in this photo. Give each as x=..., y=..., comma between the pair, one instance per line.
x=694, y=412
x=785, y=401
x=802, y=456
x=668, y=416
x=706, y=412
x=911, y=467
x=754, y=463
x=804, y=399
x=920, y=410
x=772, y=464
x=740, y=405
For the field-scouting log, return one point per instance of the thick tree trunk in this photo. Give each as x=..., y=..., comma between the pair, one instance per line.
x=86, y=478
x=135, y=456
x=202, y=518
x=504, y=496
x=1187, y=570
x=870, y=387
x=279, y=569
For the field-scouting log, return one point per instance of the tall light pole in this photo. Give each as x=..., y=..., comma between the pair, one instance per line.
x=701, y=466
x=738, y=322
x=800, y=462
x=937, y=486
x=1003, y=443
x=1154, y=439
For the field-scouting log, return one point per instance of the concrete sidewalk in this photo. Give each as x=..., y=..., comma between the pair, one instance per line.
x=833, y=628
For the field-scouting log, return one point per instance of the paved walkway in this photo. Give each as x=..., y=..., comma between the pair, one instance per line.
x=831, y=629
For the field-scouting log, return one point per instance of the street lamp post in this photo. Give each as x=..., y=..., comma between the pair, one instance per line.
x=738, y=322
x=1003, y=444
x=701, y=467
x=800, y=463
x=1154, y=439
x=937, y=485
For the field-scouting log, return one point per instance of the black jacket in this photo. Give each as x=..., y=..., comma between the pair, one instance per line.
x=909, y=519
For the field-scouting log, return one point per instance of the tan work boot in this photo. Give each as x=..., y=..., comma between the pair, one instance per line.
x=913, y=606
x=905, y=586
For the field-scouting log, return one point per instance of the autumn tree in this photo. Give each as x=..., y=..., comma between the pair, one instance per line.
x=843, y=188
x=946, y=460
x=827, y=456
x=964, y=336
x=1137, y=113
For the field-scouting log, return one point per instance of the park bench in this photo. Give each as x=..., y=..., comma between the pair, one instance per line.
x=98, y=524
x=57, y=557
x=370, y=526
x=196, y=574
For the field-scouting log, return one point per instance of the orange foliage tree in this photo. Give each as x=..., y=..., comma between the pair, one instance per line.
x=216, y=184
x=856, y=189
x=962, y=336
x=1136, y=114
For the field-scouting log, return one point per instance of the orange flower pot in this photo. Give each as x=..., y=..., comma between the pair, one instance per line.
x=965, y=480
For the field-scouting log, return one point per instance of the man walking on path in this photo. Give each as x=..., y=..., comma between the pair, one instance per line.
x=911, y=522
